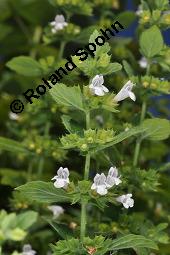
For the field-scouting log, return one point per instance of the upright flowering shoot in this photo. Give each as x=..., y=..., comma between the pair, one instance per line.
x=90, y=188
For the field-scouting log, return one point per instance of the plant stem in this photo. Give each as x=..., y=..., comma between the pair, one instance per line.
x=62, y=46
x=142, y=117
x=87, y=167
x=138, y=142
x=86, y=176
x=36, y=39
x=41, y=160
x=83, y=221
x=88, y=120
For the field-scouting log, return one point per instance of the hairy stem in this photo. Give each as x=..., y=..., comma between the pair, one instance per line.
x=41, y=160
x=61, y=51
x=36, y=39
x=86, y=176
x=142, y=117
x=83, y=221
x=138, y=142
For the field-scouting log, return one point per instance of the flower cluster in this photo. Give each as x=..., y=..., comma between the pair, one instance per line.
x=101, y=185
x=92, y=138
x=97, y=88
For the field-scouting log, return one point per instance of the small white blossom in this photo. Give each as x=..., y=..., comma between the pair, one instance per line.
x=143, y=62
x=139, y=11
x=112, y=178
x=13, y=116
x=62, y=178
x=27, y=250
x=100, y=184
x=125, y=92
x=97, y=86
x=126, y=200
x=58, y=24
x=99, y=119
x=56, y=210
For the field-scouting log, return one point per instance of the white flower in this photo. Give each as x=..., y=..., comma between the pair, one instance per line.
x=56, y=210
x=97, y=86
x=100, y=184
x=58, y=24
x=13, y=116
x=27, y=250
x=112, y=178
x=125, y=92
x=61, y=178
x=139, y=11
x=126, y=200
x=99, y=119
x=143, y=62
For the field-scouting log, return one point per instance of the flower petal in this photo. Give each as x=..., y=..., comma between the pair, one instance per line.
x=132, y=96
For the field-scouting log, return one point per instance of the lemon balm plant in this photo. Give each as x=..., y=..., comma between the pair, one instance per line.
x=102, y=189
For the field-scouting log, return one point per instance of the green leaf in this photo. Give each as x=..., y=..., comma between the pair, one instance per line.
x=5, y=31
x=68, y=96
x=128, y=68
x=61, y=229
x=126, y=18
x=99, y=49
x=12, y=177
x=43, y=192
x=69, y=124
x=11, y=145
x=26, y=219
x=122, y=136
x=25, y=66
x=132, y=241
x=151, y=42
x=156, y=129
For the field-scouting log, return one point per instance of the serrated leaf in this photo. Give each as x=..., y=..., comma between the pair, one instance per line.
x=156, y=129
x=132, y=241
x=11, y=145
x=25, y=65
x=104, y=49
x=43, y=192
x=68, y=96
x=151, y=42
